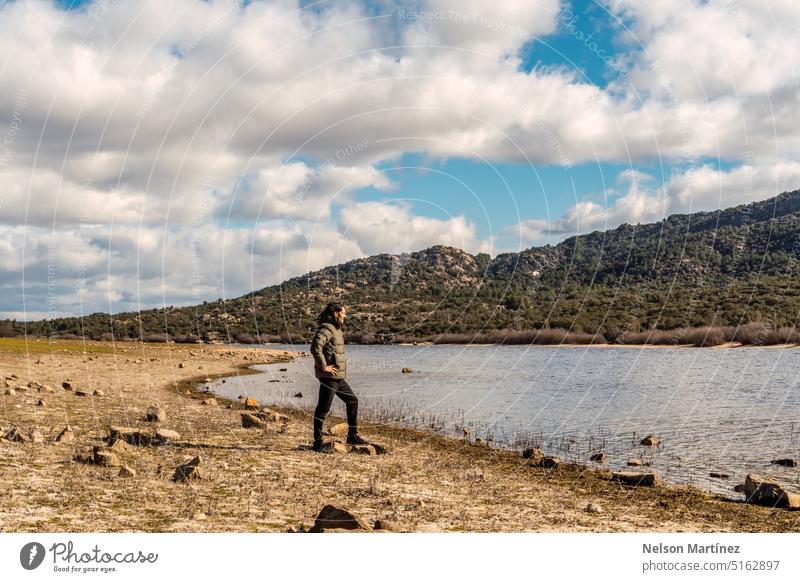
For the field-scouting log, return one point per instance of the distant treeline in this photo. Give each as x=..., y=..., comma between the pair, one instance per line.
x=751, y=334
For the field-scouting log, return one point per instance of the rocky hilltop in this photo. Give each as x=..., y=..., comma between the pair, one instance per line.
x=723, y=268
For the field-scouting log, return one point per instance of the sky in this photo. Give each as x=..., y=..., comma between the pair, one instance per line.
x=169, y=153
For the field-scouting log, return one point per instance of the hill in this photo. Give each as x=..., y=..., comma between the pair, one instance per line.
x=724, y=268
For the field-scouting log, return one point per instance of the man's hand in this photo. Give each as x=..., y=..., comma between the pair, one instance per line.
x=330, y=370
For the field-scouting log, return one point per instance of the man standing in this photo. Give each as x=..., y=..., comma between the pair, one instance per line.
x=330, y=366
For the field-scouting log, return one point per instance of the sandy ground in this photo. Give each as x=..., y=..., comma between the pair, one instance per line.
x=261, y=479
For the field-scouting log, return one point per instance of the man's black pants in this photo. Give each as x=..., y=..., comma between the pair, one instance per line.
x=327, y=389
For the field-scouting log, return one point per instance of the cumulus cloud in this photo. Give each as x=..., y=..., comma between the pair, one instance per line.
x=144, y=138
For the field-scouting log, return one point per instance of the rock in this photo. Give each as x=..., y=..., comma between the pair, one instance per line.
x=45, y=389
x=105, y=458
x=189, y=471
x=251, y=404
x=762, y=491
x=120, y=447
x=598, y=457
x=784, y=462
x=66, y=386
x=130, y=435
x=407, y=371
x=155, y=414
x=334, y=447
x=651, y=441
x=634, y=462
x=36, y=436
x=180, y=364
x=539, y=459
x=15, y=436
x=41, y=403
x=250, y=421
x=340, y=429
x=209, y=402
x=363, y=450
x=637, y=479
x=81, y=393
x=333, y=517
x=283, y=369
x=126, y=471
x=593, y=508
x=535, y=454
x=268, y=415
x=99, y=393
x=380, y=449
x=165, y=435
x=386, y=525
x=298, y=395
x=10, y=392
x=66, y=435
x=474, y=474
x=719, y=475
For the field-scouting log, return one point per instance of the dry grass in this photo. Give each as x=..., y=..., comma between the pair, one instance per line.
x=259, y=480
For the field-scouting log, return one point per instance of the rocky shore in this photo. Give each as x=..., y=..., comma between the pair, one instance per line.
x=96, y=437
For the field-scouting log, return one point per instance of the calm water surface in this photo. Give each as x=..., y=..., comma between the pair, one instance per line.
x=725, y=411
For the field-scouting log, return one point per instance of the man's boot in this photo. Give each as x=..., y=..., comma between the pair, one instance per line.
x=355, y=439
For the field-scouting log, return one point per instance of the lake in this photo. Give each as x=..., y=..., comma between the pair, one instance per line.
x=728, y=411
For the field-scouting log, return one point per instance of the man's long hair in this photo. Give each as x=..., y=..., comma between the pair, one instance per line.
x=327, y=314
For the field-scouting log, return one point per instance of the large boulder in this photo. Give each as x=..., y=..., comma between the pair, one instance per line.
x=762, y=491
x=333, y=517
x=189, y=471
x=652, y=479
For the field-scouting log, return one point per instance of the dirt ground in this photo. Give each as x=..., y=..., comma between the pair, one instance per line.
x=262, y=480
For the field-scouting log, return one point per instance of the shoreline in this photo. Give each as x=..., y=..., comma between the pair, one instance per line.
x=262, y=479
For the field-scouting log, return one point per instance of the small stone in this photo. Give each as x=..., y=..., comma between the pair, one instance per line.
x=165, y=435
x=283, y=369
x=155, y=414
x=36, y=436
x=66, y=386
x=180, y=364
x=634, y=462
x=334, y=447
x=66, y=435
x=191, y=470
x=15, y=436
x=551, y=462
x=784, y=462
x=380, y=449
x=637, y=479
x=368, y=450
x=268, y=415
x=41, y=403
x=719, y=475
x=250, y=421
x=533, y=453
x=126, y=471
x=340, y=429
x=651, y=441
x=298, y=395
x=199, y=516
x=333, y=517
x=120, y=447
x=209, y=402
x=81, y=393
x=45, y=389
x=105, y=458
x=593, y=508
x=251, y=404
x=99, y=393
x=598, y=457
x=386, y=525
x=407, y=371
